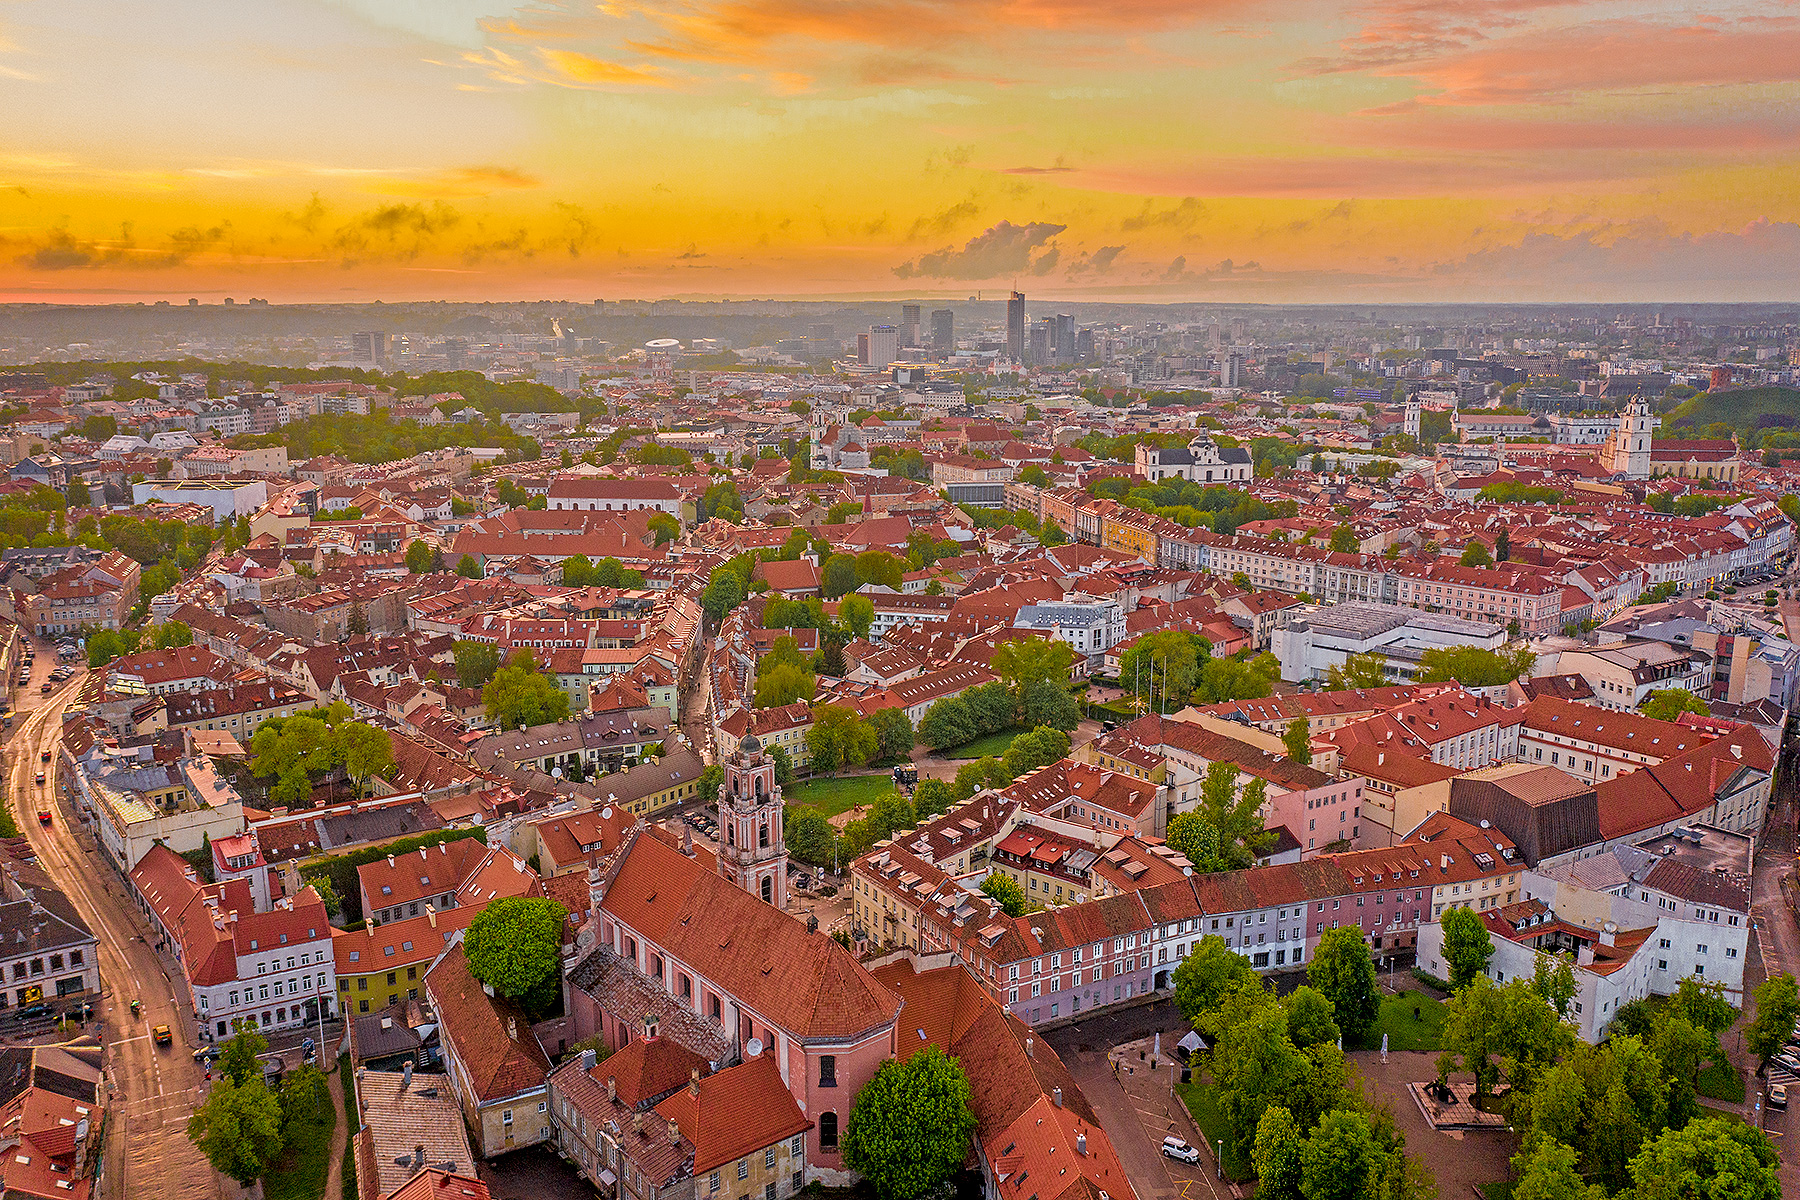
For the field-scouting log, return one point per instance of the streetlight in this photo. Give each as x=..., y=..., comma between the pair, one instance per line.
x=1219, y=1159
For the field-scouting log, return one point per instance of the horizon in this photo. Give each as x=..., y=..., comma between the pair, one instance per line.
x=1234, y=152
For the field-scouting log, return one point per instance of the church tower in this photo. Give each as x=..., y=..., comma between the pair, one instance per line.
x=752, y=851
x=1631, y=444
x=1415, y=414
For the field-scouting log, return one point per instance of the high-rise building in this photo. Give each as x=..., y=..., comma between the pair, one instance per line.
x=1041, y=353
x=369, y=347
x=943, y=329
x=1231, y=369
x=884, y=345
x=1064, y=337
x=1015, y=327
x=909, y=325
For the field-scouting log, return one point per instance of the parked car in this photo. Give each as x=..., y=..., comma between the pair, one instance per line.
x=1778, y=1095
x=33, y=1011
x=1180, y=1151
x=40, y=778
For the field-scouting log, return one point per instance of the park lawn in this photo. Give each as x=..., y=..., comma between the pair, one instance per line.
x=1202, y=1100
x=993, y=744
x=1405, y=1033
x=1720, y=1081
x=300, y=1173
x=833, y=796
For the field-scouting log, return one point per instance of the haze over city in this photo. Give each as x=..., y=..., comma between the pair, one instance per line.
x=1226, y=150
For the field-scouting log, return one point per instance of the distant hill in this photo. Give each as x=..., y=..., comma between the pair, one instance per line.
x=1739, y=408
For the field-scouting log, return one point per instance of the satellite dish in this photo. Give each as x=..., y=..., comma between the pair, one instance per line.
x=606, y=813
x=753, y=1047
x=556, y=772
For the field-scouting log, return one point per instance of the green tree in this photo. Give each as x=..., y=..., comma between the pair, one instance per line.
x=1195, y=839
x=172, y=634
x=1223, y=679
x=1163, y=667
x=77, y=493
x=1667, y=704
x=1024, y=661
x=514, y=946
x=238, y=1129
x=1235, y=813
x=1554, y=979
x=1546, y=1171
x=709, y=782
x=1502, y=545
x=1033, y=749
x=1488, y=1029
x=357, y=623
x=665, y=527
x=933, y=796
x=1467, y=945
x=1703, y=1002
x=1474, y=667
x=1276, y=1155
x=99, y=427
x=1342, y=970
x=1210, y=971
x=1309, y=1017
x=1296, y=739
x=946, y=724
x=810, y=837
x=1344, y=540
x=1049, y=704
x=838, y=738
x=838, y=576
x=476, y=662
x=893, y=734
x=240, y=1061
x=1777, y=1009
x=1712, y=1159
x=910, y=1126
x=304, y=1095
x=783, y=683
x=857, y=613
x=1006, y=890
x=468, y=568
x=878, y=568
x=724, y=592
x=419, y=556
x=1358, y=671
x=364, y=750
x=1475, y=554
x=1254, y=1062
x=1341, y=1160
x=520, y=695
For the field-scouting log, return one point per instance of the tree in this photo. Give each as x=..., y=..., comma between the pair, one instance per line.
x=1006, y=890
x=1163, y=667
x=1276, y=1155
x=238, y=1129
x=810, y=837
x=1046, y=703
x=1342, y=970
x=364, y=750
x=1254, y=1062
x=1703, y=1002
x=665, y=527
x=519, y=695
x=880, y=569
x=1025, y=661
x=724, y=592
x=838, y=576
x=1195, y=839
x=476, y=662
x=468, y=568
x=1344, y=540
x=239, y=1061
x=514, y=946
x=946, y=724
x=1475, y=554
x=1552, y=978
x=1033, y=749
x=910, y=1126
x=1474, y=667
x=1467, y=945
x=418, y=557
x=304, y=1095
x=838, y=738
x=173, y=634
x=1341, y=1160
x=1488, y=1028
x=357, y=623
x=893, y=734
x=1309, y=1018
x=857, y=613
x=1235, y=814
x=77, y=493
x=1666, y=704
x=709, y=783
x=1777, y=1008
x=1712, y=1159
x=1358, y=671
x=1502, y=545
x=1296, y=739
x=1546, y=1171
x=1210, y=971
x=933, y=796
x=780, y=683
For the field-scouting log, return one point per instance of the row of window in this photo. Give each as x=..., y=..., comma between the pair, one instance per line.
x=34, y=968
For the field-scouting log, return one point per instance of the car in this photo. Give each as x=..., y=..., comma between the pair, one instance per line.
x=1778, y=1095
x=33, y=1011
x=43, y=816
x=44, y=757
x=162, y=1035
x=40, y=779
x=1180, y=1151
x=206, y=1054
x=1789, y=1059
x=47, y=688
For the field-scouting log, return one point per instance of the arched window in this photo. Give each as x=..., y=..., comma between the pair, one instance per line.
x=768, y=889
x=828, y=1130
x=762, y=836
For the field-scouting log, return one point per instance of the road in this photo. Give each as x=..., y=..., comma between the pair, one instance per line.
x=154, y=1090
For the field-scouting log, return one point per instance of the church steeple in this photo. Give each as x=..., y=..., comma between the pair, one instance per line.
x=752, y=849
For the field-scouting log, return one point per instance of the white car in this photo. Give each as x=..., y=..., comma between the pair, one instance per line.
x=1180, y=1151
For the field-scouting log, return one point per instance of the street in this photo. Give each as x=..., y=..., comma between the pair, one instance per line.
x=153, y=1090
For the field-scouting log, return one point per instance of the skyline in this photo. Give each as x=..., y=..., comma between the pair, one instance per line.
x=1470, y=151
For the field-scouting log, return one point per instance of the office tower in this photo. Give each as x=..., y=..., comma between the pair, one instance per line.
x=369, y=347
x=1231, y=370
x=909, y=325
x=1040, y=344
x=943, y=329
x=1084, y=345
x=862, y=348
x=1015, y=327
x=884, y=345
x=1064, y=337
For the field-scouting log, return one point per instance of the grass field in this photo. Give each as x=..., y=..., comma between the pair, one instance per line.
x=833, y=796
x=1405, y=1033
x=1202, y=1100
x=994, y=744
x=300, y=1173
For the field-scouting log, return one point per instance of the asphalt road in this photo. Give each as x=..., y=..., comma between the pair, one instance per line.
x=154, y=1089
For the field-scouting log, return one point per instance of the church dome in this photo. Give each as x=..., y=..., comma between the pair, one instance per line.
x=751, y=744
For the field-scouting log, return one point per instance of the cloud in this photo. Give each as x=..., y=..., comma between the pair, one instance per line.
x=585, y=70
x=1224, y=270
x=1644, y=258
x=1055, y=169
x=1003, y=249
x=495, y=176
x=1097, y=263
x=942, y=222
x=1182, y=216
x=59, y=250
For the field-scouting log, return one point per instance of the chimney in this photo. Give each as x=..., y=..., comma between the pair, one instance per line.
x=1027, y=1047
x=390, y=860
x=694, y=1083
x=1081, y=1143
x=1056, y=1097
x=674, y=1132
x=1443, y=862
x=612, y=1088
x=512, y=1028
x=1608, y=933
x=651, y=1026
x=1584, y=957
x=637, y=1122
x=588, y=1058
x=418, y=1156
x=431, y=914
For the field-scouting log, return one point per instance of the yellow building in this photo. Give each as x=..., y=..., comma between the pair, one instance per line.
x=1129, y=532
x=376, y=967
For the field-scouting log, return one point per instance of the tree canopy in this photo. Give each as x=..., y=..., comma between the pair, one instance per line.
x=514, y=946
x=521, y=695
x=910, y=1125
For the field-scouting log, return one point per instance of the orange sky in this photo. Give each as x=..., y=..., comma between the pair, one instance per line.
x=1169, y=149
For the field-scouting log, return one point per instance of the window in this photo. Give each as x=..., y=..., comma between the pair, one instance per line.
x=827, y=1070
x=769, y=1158
x=828, y=1130
x=798, y=1145
x=712, y=1182
x=743, y=1168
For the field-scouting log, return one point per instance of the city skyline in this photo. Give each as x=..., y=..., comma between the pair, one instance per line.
x=1578, y=150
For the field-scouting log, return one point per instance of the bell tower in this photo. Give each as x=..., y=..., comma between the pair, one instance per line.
x=752, y=850
x=1631, y=444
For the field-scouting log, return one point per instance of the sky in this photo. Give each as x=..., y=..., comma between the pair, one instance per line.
x=1214, y=150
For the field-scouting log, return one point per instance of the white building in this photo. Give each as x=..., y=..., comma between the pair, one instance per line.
x=1090, y=626
x=1314, y=640
x=598, y=494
